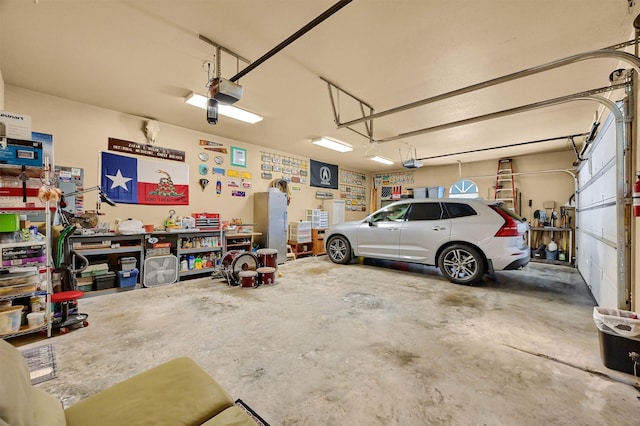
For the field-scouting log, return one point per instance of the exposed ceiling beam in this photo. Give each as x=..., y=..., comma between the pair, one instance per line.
x=327, y=13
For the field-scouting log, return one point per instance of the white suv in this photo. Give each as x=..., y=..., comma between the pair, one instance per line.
x=465, y=238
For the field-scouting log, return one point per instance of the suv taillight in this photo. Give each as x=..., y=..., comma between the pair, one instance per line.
x=510, y=227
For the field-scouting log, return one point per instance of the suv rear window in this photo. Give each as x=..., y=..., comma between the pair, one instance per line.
x=459, y=210
x=508, y=211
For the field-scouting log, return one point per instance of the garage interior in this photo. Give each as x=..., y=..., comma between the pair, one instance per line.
x=445, y=91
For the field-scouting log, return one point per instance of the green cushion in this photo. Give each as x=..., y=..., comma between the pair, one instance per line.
x=178, y=392
x=15, y=387
x=232, y=416
x=47, y=409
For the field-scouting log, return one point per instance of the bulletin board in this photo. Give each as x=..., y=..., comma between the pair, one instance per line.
x=71, y=179
x=353, y=190
x=289, y=169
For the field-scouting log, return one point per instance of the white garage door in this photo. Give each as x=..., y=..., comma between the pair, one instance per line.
x=597, y=255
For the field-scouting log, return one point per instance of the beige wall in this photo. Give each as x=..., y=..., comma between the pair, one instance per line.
x=1, y=90
x=539, y=187
x=81, y=131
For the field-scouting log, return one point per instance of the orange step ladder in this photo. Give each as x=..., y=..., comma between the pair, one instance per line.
x=505, y=189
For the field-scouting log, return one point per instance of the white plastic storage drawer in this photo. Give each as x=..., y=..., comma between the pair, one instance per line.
x=300, y=232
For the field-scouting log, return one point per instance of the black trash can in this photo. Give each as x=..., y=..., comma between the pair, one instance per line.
x=619, y=335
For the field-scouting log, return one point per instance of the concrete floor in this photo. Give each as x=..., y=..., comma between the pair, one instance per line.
x=366, y=344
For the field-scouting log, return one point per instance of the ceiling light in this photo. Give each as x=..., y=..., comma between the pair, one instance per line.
x=230, y=111
x=380, y=159
x=332, y=144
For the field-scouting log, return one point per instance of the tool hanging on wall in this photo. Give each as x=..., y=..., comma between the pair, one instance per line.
x=24, y=177
x=283, y=186
x=549, y=207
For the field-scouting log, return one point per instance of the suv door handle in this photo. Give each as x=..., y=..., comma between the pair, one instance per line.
x=439, y=228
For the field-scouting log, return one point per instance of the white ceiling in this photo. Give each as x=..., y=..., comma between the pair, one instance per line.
x=143, y=57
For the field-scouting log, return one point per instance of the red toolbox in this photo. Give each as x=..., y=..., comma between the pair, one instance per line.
x=207, y=221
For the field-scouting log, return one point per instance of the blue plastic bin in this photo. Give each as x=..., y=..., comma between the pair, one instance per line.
x=128, y=278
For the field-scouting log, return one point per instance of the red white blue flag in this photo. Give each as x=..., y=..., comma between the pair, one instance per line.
x=139, y=181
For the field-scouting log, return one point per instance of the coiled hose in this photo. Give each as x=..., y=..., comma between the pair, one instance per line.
x=283, y=186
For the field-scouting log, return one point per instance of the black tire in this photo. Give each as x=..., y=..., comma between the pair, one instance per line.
x=339, y=250
x=462, y=264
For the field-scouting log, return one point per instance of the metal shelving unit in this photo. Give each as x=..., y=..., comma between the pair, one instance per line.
x=45, y=287
x=95, y=246
x=25, y=329
x=215, y=237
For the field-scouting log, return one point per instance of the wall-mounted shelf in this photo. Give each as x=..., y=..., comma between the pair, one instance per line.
x=563, y=237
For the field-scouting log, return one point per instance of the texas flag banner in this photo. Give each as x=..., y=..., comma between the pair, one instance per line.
x=139, y=181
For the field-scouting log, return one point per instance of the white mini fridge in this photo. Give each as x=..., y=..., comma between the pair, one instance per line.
x=270, y=219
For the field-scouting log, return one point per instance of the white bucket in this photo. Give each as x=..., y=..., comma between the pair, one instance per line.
x=35, y=319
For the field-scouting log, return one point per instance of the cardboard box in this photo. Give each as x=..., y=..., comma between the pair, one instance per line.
x=22, y=153
x=15, y=125
x=23, y=255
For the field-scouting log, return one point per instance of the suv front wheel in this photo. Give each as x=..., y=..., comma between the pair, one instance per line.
x=339, y=250
x=461, y=264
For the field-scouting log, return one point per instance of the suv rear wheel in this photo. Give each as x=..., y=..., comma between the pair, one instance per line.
x=339, y=250
x=461, y=264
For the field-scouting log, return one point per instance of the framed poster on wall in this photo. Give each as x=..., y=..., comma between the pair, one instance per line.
x=238, y=157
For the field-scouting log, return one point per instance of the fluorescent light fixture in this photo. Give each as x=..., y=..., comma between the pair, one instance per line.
x=332, y=144
x=230, y=111
x=380, y=159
